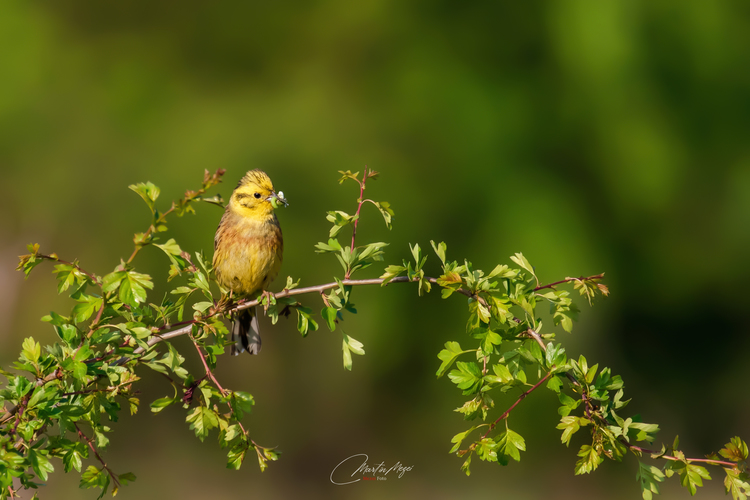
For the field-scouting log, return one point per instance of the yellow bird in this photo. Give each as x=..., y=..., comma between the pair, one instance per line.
x=248, y=249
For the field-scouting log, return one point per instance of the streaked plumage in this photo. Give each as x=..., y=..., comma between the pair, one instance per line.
x=248, y=250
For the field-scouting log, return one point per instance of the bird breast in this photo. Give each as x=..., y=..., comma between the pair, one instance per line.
x=248, y=253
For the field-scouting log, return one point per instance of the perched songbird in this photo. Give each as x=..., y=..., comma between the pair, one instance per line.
x=247, y=250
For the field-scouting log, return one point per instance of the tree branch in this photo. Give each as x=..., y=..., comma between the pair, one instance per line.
x=675, y=459
x=39, y=382
x=568, y=280
x=55, y=258
x=96, y=453
x=327, y=286
x=284, y=293
x=520, y=398
x=359, y=207
x=209, y=372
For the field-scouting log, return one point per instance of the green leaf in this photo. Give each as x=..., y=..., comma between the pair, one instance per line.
x=691, y=475
x=568, y=404
x=329, y=315
x=161, y=403
x=243, y=402
x=735, y=450
x=86, y=307
x=390, y=273
x=502, y=372
x=177, y=257
x=467, y=376
x=458, y=439
x=590, y=460
x=502, y=271
x=236, y=455
x=465, y=466
x=523, y=262
x=737, y=484
x=31, y=349
x=290, y=283
x=439, y=250
x=387, y=212
x=570, y=425
x=332, y=246
x=416, y=252
x=448, y=357
x=30, y=261
x=349, y=346
x=644, y=432
x=133, y=287
x=555, y=384
x=202, y=420
x=67, y=275
x=339, y=220
x=112, y=280
x=348, y=175
x=77, y=368
x=69, y=334
x=649, y=477
x=486, y=449
x=305, y=322
x=72, y=459
x=511, y=444
x=40, y=463
x=148, y=192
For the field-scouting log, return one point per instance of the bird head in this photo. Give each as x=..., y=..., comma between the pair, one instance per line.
x=255, y=196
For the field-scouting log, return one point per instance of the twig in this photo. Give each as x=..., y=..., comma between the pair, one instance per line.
x=54, y=257
x=150, y=229
x=209, y=373
x=531, y=333
x=96, y=453
x=520, y=398
x=359, y=207
x=568, y=280
x=39, y=382
x=675, y=459
x=99, y=389
x=320, y=289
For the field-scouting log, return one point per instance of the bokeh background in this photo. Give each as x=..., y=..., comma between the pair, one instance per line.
x=591, y=136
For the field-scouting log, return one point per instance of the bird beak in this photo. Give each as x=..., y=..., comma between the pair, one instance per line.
x=277, y=199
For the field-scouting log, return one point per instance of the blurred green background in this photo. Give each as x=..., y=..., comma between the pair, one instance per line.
x=591, y=136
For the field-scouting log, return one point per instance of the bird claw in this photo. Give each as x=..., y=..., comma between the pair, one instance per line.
x=267, y=298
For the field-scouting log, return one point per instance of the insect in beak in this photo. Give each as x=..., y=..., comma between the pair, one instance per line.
x=277, y=199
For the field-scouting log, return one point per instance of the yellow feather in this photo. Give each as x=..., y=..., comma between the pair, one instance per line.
x=248, y=246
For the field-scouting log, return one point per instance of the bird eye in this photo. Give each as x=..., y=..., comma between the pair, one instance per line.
x=257, y=195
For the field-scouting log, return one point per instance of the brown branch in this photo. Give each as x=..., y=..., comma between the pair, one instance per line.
x=150, y=229
x=92, y=327
x=284, y=293
x=55, y=258
x=100, y=389
x=520, y=398
x=209, y=373
x=531, y=333
x=568, y=280
x=675, y=459
x=301, y=291
x=190, y=196
x=96, y=453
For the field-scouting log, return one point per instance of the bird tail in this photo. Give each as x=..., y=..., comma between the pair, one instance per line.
x=245, y=333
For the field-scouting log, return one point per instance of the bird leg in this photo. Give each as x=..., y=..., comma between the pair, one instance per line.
x=267, y=298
